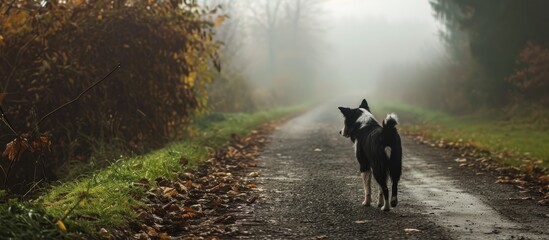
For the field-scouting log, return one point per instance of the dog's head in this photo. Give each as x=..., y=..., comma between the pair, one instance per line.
x=355, y=119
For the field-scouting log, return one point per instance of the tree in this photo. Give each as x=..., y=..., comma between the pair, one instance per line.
x=231, y=78
x=266, y=16
x=50, y=53
x=288, y=31
x=532, y=80
x=496, y=31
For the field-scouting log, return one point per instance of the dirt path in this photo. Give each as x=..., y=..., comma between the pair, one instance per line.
x=311, y=189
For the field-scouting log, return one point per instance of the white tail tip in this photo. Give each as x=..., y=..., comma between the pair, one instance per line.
x=388, y=152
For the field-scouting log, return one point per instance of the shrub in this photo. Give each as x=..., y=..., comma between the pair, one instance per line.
x=51, y=53
x=532, y=80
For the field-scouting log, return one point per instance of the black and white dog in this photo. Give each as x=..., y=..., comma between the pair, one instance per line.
x=378, y=151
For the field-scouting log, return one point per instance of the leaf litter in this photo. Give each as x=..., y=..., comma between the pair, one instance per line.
x=206, y=202
x=529, y=178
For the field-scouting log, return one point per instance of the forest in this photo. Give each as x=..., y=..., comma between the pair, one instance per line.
x=495, y=57
x=99, y=96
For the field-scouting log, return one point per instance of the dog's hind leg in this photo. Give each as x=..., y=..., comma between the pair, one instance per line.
x=366, y=178
x=380, y=196
x=394, y=191
x=395, y=170
x=383, y=199
x=395, y=177
x=385, y=192
x=394, y=199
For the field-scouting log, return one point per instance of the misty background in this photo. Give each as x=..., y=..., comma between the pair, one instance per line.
x=457, y=56
x=291, y=50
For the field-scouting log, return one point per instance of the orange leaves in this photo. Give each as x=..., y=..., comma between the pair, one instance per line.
x=189, y=213
x=20, y=145
x=170, y=192
x=47, y=68
x=219, y=20
x=532, y=79
x=537, y=59
x=16, y=21
x=41, y=145
x=190, y=79
x=16, y=148
x=77, y=2
x=204, y=201
x=544, y=179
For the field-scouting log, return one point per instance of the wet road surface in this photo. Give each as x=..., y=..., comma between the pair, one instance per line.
x=311, y=189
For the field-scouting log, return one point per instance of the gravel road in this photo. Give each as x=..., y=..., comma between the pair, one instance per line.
x=311, y=188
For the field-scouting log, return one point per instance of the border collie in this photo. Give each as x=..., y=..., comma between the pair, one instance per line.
x=378, y=151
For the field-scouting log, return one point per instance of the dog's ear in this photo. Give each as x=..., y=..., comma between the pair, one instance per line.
x=364, y=105
x=344, y=110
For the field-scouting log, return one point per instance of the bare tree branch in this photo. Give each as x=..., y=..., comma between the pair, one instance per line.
x=78, y=97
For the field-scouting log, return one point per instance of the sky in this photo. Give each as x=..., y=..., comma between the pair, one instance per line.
x=390, y=10
x=368, y=37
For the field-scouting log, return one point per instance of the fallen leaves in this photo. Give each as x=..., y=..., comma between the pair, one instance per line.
x=206, y=201
x=544, y=202
x=183, y=161
x=253, y=174
x=544, y=179
x=169, y=192
x=61, y=226
x=529, y=177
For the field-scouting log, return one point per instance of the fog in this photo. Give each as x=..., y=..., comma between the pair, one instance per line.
x=368, y=38
x=293, y=50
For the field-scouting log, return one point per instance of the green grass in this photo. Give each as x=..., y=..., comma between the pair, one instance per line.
x=25, y=221
x=513, y=139
x=105, y=198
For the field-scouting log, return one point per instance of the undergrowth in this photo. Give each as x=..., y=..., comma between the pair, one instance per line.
x=105, y=198
x=25, y=221
x=516, y=139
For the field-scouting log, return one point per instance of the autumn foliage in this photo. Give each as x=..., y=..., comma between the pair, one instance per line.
x=484, y=39
x=532, y=80
x=50, y=53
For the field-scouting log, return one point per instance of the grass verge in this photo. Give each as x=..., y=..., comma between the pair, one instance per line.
x=106, y=198
x=515, y=141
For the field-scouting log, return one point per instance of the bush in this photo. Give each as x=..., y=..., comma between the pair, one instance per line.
x=532, y=80
x=230, y=94
x=54, y=52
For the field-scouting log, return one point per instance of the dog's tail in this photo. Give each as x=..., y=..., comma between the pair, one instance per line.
x=390, y=121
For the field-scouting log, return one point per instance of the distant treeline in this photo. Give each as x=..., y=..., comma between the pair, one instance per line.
x=271, y=53
x=498, y=56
